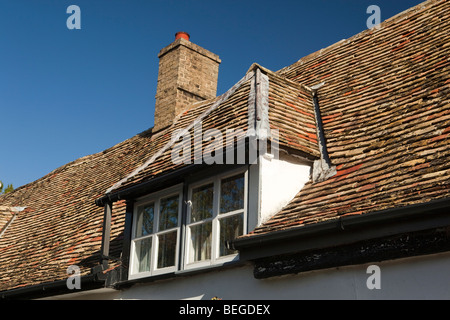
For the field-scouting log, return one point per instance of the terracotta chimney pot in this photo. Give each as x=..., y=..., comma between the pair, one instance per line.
x=183, y=35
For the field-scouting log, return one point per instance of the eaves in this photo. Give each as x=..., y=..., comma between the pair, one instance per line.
x=345, y=230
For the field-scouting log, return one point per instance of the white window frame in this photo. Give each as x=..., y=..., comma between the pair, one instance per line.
x=156, y=198
x=215, y=258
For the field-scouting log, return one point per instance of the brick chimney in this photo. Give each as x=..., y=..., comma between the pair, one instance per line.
x=187, y=73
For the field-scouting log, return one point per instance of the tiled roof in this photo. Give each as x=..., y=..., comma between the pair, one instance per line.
x=291, y=112
x=61, y=225
x=386, y=115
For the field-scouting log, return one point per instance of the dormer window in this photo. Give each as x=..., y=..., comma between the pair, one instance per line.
x=188, y=226
x=215, y=212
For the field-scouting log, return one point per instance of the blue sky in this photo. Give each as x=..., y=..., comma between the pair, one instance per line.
x=66, y=93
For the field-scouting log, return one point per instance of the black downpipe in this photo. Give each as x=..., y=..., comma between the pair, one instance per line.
x=106, y=235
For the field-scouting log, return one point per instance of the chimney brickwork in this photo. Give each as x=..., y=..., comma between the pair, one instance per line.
x=187, y=73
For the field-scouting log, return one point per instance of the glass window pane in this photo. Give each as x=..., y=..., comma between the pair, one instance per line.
x=201, y=242
x=168, y=217
x=167, y=244
x=143, y=250
x=232, y=194
x=202, y=203
x=145, y=220
x=230, y=228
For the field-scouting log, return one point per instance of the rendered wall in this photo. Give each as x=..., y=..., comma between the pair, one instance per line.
x=411, y=278
x=281, y=179
x=425, y=277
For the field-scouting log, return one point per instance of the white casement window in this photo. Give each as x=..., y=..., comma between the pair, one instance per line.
x=156, y=234
x=216, y=210
x=217, y=213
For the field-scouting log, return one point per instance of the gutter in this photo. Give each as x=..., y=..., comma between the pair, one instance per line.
x=88, y=282
x=345, y=229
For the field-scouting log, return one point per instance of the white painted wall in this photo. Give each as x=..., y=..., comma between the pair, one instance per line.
x=425, y=277
x=411, y=278
x=280, y=180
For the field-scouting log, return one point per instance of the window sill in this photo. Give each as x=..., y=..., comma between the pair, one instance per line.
x=212, y=267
